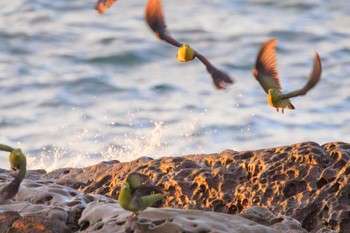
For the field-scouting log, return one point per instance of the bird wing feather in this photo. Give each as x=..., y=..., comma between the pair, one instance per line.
x=135, y=179
x=314, y=78
x=266, y=66
x=6, y=148
x=146, y=189
x=149, y=200
x=155, y=20
x=103, y=5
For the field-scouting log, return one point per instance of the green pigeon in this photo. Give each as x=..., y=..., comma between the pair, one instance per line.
x=265, y=72
x=17, y=161
x=103, y=5
x=135, y=196
x=155, y=20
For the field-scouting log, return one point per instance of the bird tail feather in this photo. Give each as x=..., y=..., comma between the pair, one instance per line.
x=151, y=199
x=290, y=106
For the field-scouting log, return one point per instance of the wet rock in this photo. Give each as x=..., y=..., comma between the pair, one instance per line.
x=104, y=217
x=305, y=181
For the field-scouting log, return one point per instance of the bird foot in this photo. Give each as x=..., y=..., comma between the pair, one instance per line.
x=132, y=217
x=277, y=110
x=282, y=110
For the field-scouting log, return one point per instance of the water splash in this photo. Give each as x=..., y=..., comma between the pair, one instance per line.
x=129, y=147
x=138, y=145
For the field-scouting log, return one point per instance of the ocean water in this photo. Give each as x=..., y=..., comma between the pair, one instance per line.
x=77, y=88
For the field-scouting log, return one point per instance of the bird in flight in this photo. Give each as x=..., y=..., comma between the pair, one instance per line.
x=155, y=20
x=265, y=72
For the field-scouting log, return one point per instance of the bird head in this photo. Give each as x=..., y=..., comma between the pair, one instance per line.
x=126, y=186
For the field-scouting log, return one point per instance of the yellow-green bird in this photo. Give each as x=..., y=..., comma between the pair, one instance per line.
x=155, y=20
x=185, y=53
x=135, y=196
x=17, y=161
x=265, y=72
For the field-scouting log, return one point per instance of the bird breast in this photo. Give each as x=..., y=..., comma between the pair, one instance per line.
x=276, y=102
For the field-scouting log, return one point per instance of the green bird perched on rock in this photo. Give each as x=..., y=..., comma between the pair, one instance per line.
x=155, y=20
x=17, y=162
x=265, y=72
x=135, y=196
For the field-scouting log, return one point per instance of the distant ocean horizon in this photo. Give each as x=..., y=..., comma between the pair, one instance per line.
x=78, y=88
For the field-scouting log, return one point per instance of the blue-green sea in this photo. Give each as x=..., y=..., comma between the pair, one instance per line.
x=77, y=88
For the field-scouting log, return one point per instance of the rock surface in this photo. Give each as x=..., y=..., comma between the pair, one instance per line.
x=305, y=181
x=45, y=207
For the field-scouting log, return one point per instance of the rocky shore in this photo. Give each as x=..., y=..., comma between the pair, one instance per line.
x=298, y=188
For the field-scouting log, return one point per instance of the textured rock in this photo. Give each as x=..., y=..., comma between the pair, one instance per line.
x=44, y=207
x=306, y=181
x=104, y=217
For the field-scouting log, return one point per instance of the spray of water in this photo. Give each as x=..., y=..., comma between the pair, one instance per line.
x=129, y=147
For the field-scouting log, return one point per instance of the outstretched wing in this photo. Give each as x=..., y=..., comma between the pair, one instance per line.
x=6, y=148
x=103, y=5
x=266, y=67
x=135, y=180
x=314, y=78
x=155, y=20
x=221, y=79
x=146, y=189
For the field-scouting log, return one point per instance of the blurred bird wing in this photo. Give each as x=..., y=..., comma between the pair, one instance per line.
x=146, y=189
x=221, y=79
x=103, y=5
x=266, y=66
x=149, y=200
x=314, y=78
x=6, y=148
x=136, y=179
x=155, y=20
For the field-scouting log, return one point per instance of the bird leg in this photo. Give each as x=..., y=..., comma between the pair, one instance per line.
x=132, y=217
x=282, y=110
x=277, y=110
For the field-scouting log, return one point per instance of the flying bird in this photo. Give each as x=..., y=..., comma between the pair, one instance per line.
x=155, y=20
x=265, y=72
x=136, y=196
x=17, y=161
x=103, y=5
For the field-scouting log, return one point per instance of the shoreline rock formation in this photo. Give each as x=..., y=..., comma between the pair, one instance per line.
x=305, y=182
